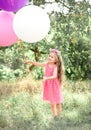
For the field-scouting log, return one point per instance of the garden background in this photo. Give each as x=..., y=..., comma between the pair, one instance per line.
x=21, y=105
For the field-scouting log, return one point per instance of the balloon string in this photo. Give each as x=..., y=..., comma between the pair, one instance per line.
x=21, y=45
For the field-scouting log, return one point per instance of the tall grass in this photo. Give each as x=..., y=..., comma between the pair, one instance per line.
x=22, y=107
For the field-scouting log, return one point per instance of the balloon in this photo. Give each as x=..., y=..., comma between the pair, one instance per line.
x=12, y=5
x=7, y=34
x=31, y=24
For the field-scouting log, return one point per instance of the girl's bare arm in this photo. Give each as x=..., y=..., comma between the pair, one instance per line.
x=36, y=63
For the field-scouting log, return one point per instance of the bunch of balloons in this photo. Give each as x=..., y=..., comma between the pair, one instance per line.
x=28, y=23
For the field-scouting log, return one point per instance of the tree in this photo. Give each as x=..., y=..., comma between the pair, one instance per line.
x=70, y=33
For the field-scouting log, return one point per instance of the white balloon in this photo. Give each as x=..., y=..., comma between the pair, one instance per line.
x=31, y=23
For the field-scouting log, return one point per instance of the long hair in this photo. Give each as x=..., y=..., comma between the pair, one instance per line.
x=60, y=68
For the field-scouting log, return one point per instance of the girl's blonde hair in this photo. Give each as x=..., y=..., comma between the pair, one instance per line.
x=60, y=67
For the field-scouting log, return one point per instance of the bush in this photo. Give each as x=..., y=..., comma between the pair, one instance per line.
x=79, y=60
x=6, y=73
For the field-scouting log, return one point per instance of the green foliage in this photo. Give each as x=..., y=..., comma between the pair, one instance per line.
x=11, y=62
x=9, y=74
x=6, y=73
x=37, y=73
x=79, y=60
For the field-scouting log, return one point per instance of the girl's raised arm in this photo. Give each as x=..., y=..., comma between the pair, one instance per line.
x=36, y=63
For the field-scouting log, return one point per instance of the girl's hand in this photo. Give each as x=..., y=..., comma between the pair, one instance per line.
x=27, y=61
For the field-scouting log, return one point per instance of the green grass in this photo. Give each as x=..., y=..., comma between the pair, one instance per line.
x=26, y=111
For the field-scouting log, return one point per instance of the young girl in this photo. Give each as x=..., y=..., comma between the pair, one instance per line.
x=52, y=81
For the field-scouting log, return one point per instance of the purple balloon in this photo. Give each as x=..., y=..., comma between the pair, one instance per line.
x=12, y=5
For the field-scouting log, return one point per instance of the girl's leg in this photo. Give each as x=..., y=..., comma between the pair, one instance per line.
x=54, y=109
x=59, y=108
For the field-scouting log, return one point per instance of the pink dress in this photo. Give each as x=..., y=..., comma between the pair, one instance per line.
x=52, y=90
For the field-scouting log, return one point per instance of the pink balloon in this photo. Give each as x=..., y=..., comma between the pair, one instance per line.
x=7, y=34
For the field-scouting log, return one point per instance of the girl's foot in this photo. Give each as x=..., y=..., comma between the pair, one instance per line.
x=58, y=117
